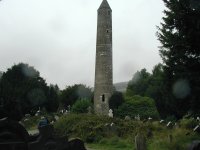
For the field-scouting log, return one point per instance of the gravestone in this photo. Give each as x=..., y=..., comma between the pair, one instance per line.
x=27, y=115
x=13, y=135
x=137, y=117
x=198, y=118
x=170, y=137
x=76, y=144
x=69, y=108
x=127, y=118
x=150, y=119
x=195, y=145
x=56, y=117
x=89, y=109
x=169, y=125
x=197, y=129
x=110, y=114
x=161, y=121
x=149, y=133
x=140, y=142
x=113, y=128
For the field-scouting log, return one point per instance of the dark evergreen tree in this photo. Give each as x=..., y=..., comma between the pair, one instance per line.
x=21, y=89
x=1, y=73
x=116, y=100
x=52, y=100
x=179, y=35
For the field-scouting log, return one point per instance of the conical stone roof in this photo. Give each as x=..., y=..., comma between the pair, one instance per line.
x=104, y=5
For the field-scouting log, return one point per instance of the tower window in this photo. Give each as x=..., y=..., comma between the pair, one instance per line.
x=108, y=12
x=107, y=31
x=103, y=98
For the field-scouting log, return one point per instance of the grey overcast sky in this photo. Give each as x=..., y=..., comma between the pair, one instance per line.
x=58, y=37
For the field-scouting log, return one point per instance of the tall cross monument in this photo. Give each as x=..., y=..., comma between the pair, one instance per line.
x=103, y=71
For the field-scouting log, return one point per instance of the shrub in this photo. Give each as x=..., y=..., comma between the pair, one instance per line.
x=144, y=106
x=81, y=106
x=88, y=127
x=92, y=128
x=188, y=123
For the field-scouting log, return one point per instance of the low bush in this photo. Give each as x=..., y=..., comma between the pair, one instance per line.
x=81, y=106
x=92, y=128
x=189, y=123
x=144, y=106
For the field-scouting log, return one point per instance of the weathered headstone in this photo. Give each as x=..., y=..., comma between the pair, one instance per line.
x=27, y=115
x=89, y=109
x=26, y=119
x=170, y=137
x=169, y=125
x=137, y=117
x=149, y=133
x=69, y=108
x=112, y=124
x=198, y=118
x=140, y=142
x=66, y=112
x=13, y=135
x=150, y=119
x=110, y=114
x=127, y=118
x=113, y=127
x=76, y=144
x=56, y=117
x=161, y=121
x=197, y=129
x=195, y=145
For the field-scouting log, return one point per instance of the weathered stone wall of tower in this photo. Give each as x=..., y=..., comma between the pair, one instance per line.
x=103, y=71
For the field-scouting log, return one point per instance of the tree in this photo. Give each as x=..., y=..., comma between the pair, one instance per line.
x=116, y=100
x=73, y=93
x=53, y=102
x=155, y=89
x=22, y=89
x=179, y=35
x=1, y=73
x=139, y=83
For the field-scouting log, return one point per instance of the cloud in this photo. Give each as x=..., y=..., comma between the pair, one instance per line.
x=58, y=38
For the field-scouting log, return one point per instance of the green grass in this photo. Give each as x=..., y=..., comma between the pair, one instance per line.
x=113, y=143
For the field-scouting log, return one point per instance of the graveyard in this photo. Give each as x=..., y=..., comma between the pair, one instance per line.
x=110, y=133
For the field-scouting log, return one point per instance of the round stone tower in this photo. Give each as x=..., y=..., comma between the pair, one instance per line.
x=103, y=72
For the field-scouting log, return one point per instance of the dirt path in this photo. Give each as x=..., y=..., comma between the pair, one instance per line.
x=31, y=132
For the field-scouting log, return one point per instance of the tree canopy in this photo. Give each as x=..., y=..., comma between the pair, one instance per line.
x=179, y=35
x=22, y=90
x=148, y=84
x=116, y=100
x=73, y=93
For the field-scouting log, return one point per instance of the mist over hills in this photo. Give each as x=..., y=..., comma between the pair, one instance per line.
x=121, y=86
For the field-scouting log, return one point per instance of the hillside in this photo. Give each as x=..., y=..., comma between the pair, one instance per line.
x=121, y=86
